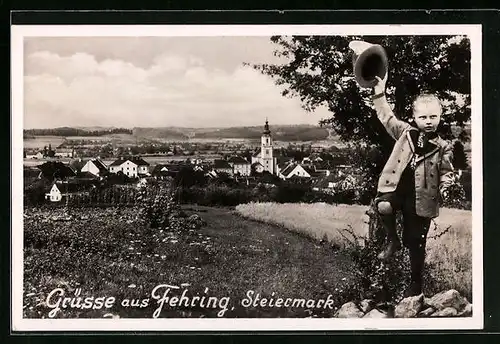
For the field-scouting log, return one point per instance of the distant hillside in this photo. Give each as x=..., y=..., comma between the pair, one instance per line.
x=69, y=131
x=301, y=132
x=161, y=133
x=281, y=133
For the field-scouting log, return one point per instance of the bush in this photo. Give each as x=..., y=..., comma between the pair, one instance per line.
x=456, y=197
x=381, y=281
x=214, y=195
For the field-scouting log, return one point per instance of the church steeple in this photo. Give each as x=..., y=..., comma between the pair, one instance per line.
x=266, y=128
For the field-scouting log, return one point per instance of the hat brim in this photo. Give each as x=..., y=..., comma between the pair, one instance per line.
x=359, y=63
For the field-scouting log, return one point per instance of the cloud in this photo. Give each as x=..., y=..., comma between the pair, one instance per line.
x=174, y=90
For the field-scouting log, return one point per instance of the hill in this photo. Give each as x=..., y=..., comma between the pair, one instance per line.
x=280, y=133
x=302, y=132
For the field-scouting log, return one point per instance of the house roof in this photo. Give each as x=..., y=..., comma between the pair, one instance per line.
x=136, y=160
x=309, y=170
x=77, y=164
x=288, y=169
x=323, y=182
x=100, y=165
x=238, y=160
x=56, y=169
x=221, y=164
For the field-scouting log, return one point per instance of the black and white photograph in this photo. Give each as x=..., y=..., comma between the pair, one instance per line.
x=260, y=177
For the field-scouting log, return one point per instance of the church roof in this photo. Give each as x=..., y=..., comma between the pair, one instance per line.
x=266, y=128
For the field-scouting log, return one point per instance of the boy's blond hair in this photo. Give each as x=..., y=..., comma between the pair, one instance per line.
x=428, y=98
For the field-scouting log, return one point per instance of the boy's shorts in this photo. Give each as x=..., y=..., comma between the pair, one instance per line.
x=415, y=228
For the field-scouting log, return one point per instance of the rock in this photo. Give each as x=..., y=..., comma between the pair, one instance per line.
x=426, y=312
x=409, y=307
x=349, y=310
x=450, y=298
x=375, y=313
x=366, y=305
x=466, y=312
x=446, y=312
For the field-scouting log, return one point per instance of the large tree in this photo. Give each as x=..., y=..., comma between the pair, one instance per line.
x=319, y=70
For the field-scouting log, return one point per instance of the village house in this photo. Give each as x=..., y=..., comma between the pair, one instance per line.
x=166, y=171
x=61, y=190
x=64, y=153
x=335, y=181
x=34, y=155
x=131, y=167
x=240, y=166
x=55, y=170
x=294, y=169
x=95, y=167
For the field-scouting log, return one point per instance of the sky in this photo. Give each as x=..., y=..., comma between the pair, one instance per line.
x=153, y=82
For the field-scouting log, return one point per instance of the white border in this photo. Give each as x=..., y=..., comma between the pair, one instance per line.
x=17, y=58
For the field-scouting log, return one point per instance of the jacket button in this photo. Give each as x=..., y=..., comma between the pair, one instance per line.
x=393, y=171
x=399, y=160
x=387, y=182
x=432, y=175
x=431, y=163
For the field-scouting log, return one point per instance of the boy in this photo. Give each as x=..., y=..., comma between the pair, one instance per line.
x=417, y=171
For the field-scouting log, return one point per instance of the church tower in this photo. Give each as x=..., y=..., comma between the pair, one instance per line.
x=266, y=150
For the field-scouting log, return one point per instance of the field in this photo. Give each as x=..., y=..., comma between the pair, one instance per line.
x=108, y=252
x=41, y=141
x=449, y=252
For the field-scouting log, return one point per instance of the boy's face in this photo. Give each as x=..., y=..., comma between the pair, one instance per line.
x=427, y=116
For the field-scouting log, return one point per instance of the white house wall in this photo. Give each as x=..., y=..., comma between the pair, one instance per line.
x=91, y=168
x=129, y=169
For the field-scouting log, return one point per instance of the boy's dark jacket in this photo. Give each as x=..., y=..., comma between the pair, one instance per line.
x=433, y=170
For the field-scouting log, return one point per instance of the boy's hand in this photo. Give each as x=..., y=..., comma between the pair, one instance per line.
x=380, y=86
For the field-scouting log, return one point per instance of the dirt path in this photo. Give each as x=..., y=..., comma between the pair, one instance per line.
x=266, y=258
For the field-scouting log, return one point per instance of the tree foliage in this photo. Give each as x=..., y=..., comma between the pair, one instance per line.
x=319, y=70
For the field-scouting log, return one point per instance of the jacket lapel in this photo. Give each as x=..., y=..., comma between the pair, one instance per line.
x=432, y=142
x=435, y=147
x=410, y=141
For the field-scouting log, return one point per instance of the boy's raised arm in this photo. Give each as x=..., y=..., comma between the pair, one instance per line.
x=392, y=124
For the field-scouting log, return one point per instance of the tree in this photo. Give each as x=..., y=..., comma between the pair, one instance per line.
x=319, y=70
x=459, y=157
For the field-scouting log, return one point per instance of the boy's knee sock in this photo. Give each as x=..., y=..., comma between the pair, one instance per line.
x=417, y=259
x=389, y=224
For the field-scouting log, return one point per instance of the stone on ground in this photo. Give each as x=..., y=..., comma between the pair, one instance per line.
x=446, y=312
x=449, y=298
x=349, y=310
x=409, y=307
x=375, y=313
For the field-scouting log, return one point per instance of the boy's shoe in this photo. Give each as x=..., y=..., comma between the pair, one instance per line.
x=390, y=249
x=413, y=290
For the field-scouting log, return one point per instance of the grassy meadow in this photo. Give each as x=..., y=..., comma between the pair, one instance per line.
x=449, y=244
x=110, y=252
